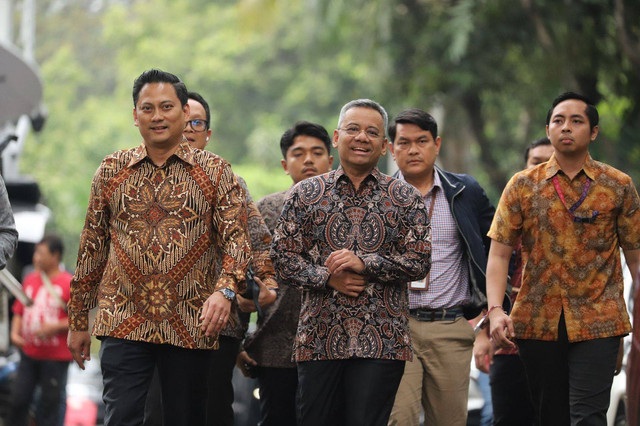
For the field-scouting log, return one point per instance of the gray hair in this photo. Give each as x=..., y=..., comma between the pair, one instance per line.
x=365, y=103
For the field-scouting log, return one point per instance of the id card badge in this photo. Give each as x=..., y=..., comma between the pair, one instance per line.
x=420, y=285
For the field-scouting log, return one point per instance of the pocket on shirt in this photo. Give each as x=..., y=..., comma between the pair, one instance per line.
x=598, y=229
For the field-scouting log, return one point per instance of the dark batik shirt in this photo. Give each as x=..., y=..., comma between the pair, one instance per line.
x=150, y=244
x=385, y=224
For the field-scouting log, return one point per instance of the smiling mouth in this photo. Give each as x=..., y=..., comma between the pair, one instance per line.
x=359, y=149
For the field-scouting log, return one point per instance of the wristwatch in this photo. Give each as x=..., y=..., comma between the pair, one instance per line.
x=228, y=294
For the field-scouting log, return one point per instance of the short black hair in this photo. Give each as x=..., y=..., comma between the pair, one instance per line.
x=54, y=244
x=304, y=128
x=591, y=110
x=414, y=116
x=159, y=76
x=198, y=98
x=536, y=143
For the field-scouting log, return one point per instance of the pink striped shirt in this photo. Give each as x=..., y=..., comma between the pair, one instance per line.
x=449, y=276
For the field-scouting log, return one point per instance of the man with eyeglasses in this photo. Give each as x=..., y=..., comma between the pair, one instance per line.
x=306, y=152
x=351, y=239
x=460, y=213
x=572, y=214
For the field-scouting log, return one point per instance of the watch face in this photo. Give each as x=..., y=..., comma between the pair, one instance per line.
x=229, y=294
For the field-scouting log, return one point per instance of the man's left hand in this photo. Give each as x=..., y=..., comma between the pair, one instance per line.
x=215, y=314
x=343, y=260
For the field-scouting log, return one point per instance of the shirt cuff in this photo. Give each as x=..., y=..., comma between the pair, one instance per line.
x=229, y=281
x=79, y=321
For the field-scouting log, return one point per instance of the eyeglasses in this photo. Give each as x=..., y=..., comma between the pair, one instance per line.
x=198, y=125
x=353, y=130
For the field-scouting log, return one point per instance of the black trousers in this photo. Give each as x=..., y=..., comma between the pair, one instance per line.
x=127, y=368
x=220, y=399
x=352, y=392
x=570, y=382
x=510, y=396
x=51, y=376
x=278, y=388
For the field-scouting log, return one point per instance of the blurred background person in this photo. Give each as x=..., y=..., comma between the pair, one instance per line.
x=40, y=332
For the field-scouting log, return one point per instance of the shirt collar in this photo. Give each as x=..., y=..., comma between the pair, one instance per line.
x=437, y=182
x=185, y=152
x=552, y=167
x=375, y=174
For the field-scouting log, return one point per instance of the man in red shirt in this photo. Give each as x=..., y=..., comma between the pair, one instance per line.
x=40, y=331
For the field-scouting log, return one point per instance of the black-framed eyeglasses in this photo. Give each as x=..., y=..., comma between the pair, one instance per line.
x=353, y=130
x=198, y=125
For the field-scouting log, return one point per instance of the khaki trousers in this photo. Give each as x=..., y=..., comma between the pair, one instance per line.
x=438, y=376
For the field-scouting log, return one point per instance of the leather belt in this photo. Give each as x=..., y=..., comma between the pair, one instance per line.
x=448, y=314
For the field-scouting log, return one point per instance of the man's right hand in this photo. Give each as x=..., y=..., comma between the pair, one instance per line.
x=244, y=362
x=501, y=324
x=79, y=343
x=17, y=340
x=483, y=351
x=347, y=282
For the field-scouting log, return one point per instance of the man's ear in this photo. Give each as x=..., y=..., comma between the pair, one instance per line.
x=135, y=117
x=385, y=143
x=284, y=166
x=594, y=133
x=335, y=138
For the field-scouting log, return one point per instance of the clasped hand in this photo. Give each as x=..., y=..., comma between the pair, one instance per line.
x=346, y=271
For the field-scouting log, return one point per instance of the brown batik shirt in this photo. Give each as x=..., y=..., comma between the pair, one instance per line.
x=150, y=242
x=260, y=239
x=385, y=224
x=271, y=344
x=570, y=265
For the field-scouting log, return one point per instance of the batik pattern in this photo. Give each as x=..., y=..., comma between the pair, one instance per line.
x=151, y=242
x=567, y=265
x=385, y=224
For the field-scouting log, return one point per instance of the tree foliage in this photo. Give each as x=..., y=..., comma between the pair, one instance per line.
x=488, y=70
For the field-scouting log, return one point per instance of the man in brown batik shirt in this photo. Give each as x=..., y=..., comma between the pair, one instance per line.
x=161, y=216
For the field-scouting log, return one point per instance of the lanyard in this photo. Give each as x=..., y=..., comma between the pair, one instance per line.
x=585, y=190
x=423, y=285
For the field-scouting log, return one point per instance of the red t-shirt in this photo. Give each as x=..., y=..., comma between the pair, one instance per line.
x=45, y=308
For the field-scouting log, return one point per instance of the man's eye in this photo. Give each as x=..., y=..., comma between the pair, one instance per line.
x=373, y=133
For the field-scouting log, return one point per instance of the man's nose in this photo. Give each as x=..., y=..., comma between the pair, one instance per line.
x=157, y=114
x=308, y=158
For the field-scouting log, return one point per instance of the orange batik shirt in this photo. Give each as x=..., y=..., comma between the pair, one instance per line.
x=571, y=260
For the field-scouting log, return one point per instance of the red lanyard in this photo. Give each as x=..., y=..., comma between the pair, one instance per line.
x=585, y=190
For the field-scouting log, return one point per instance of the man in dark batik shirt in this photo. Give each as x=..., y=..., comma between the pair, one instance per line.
x=306, y=151
x=352, y=239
